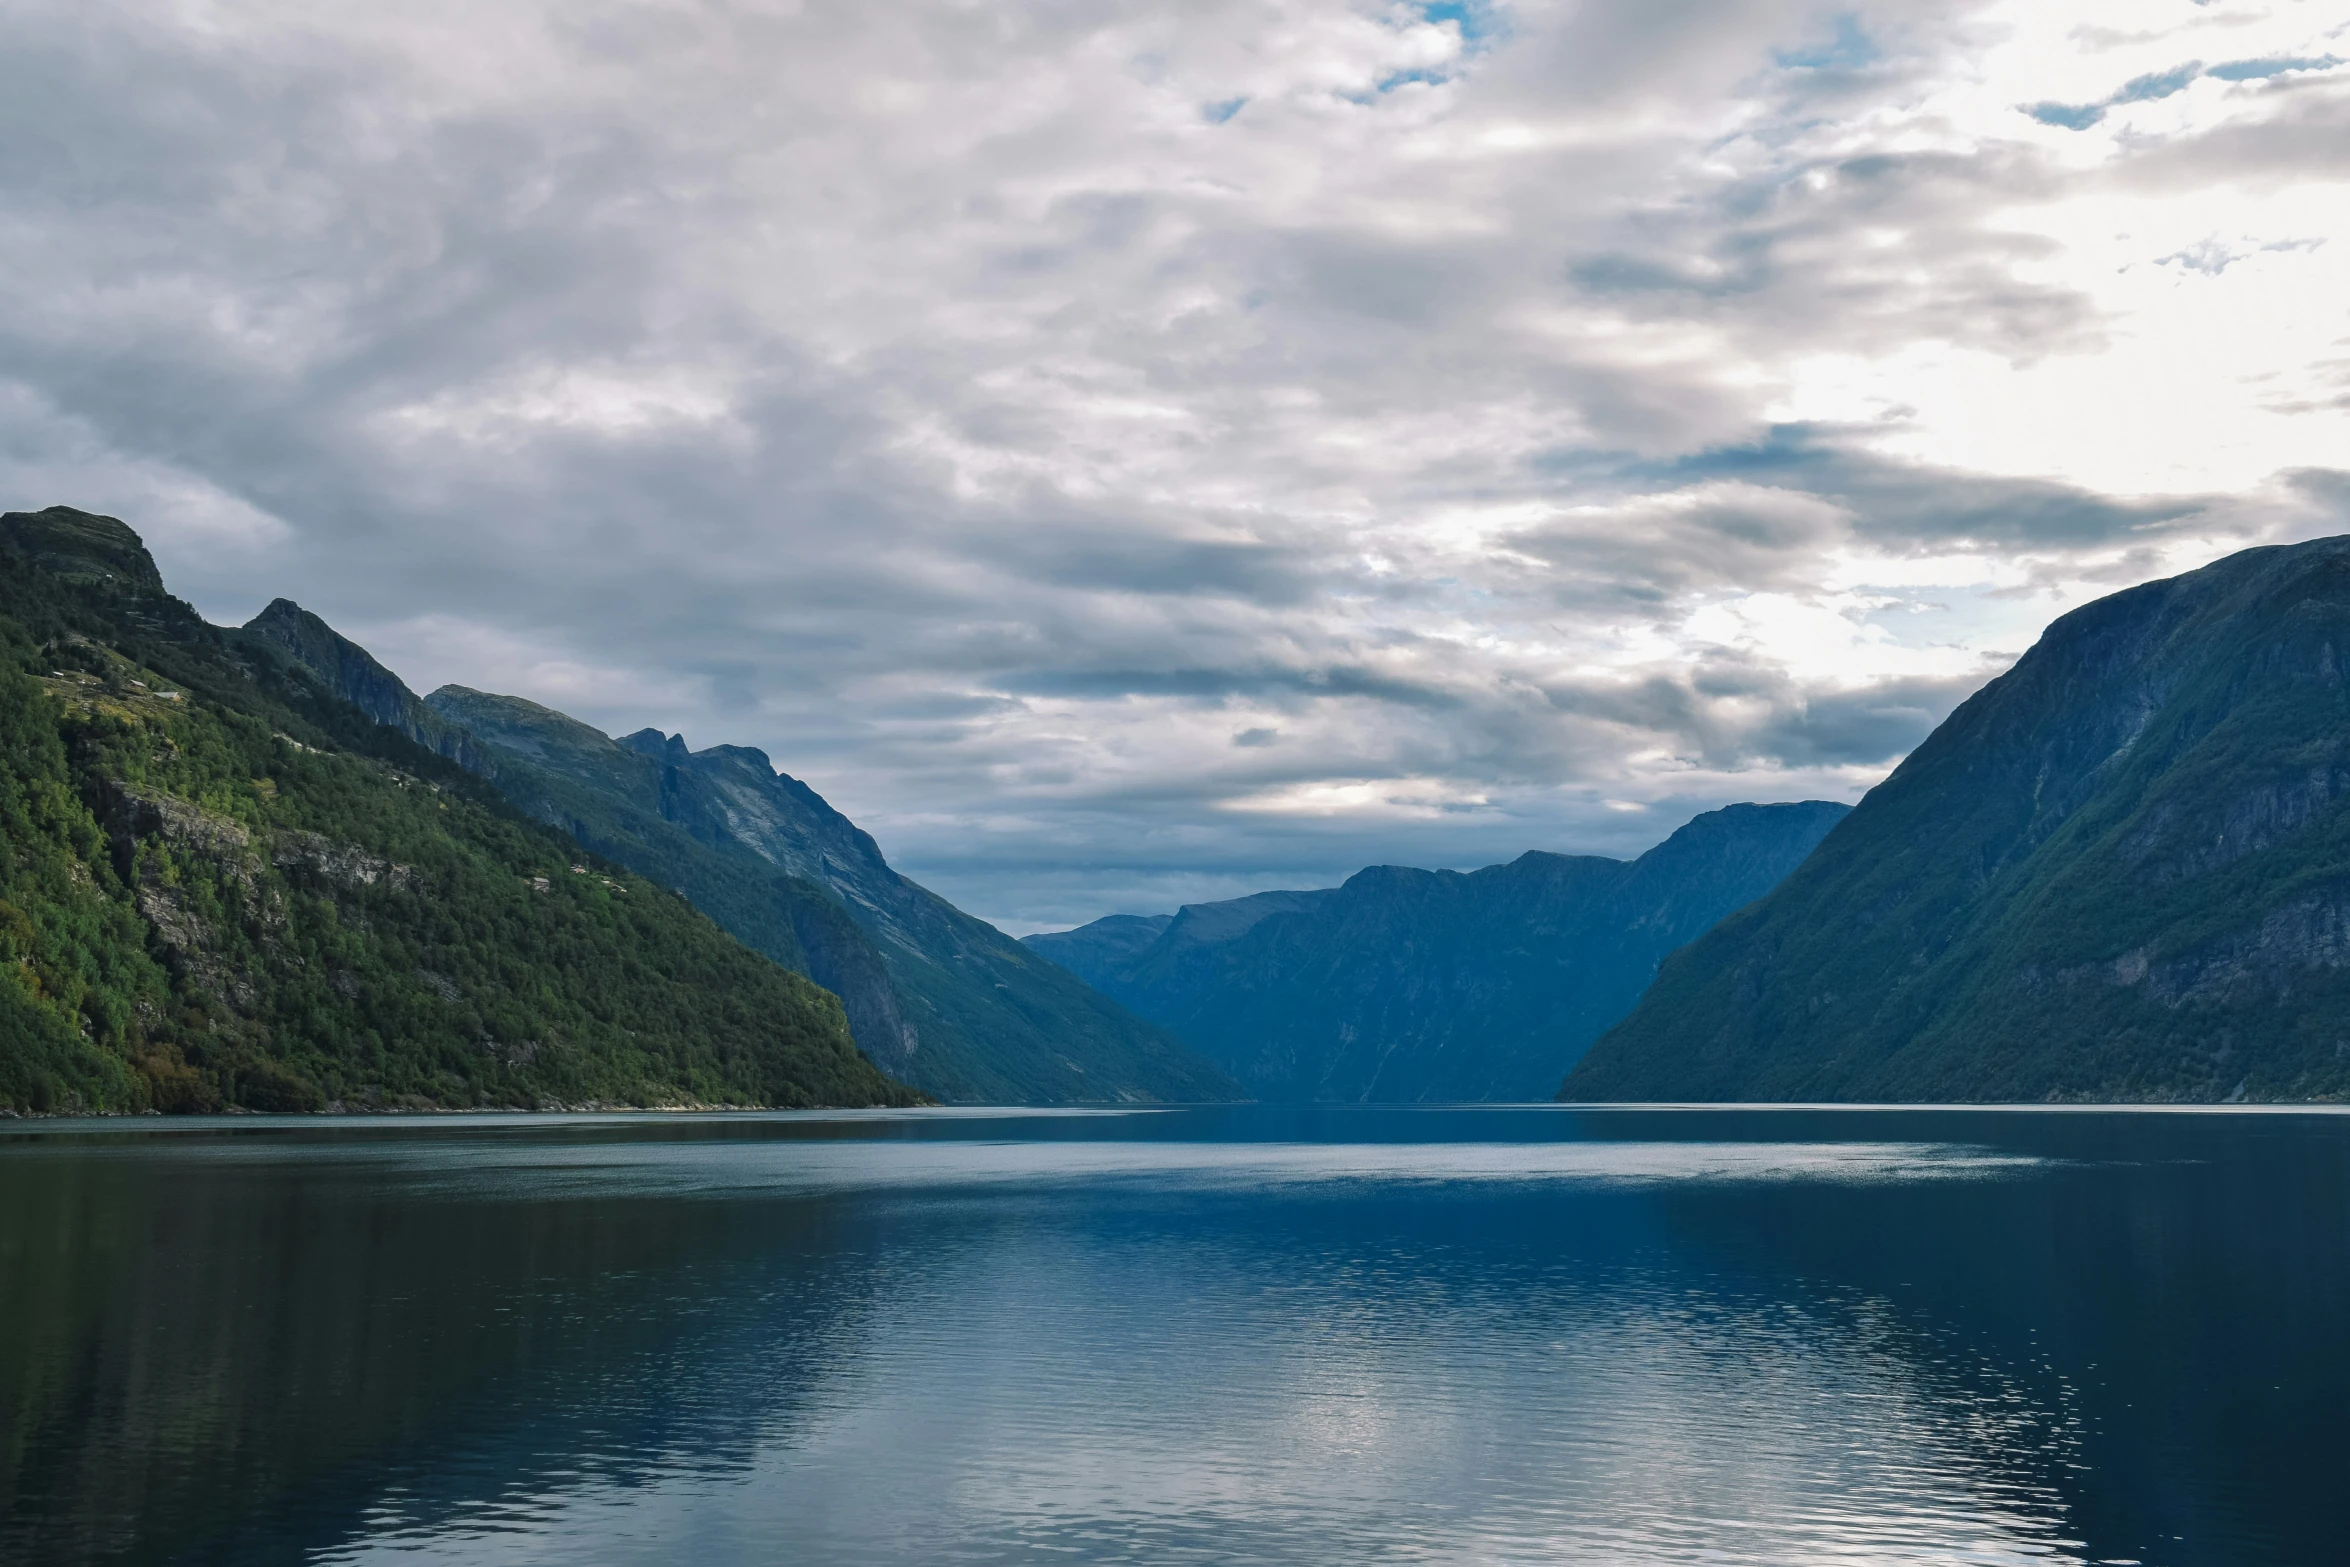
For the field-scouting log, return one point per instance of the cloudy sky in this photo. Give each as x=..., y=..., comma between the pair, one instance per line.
x=1125, y=453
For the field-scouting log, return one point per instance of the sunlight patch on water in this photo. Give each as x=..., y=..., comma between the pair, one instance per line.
x=679, y=1169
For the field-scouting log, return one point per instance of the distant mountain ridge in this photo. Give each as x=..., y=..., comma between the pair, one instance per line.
x=1414, y=985
x=2120, y=871
x=937, y=998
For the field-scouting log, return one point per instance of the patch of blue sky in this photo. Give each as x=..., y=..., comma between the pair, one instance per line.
x=2066, y=116
x=2211, y=257
x=1478, y=20
x=1430, y=78
x=1218, y=113
x=2157, y=84
x=2274, y=65
x=2138, y=89
x=1848, y=47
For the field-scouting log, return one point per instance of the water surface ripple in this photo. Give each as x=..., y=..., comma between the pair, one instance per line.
x=1234, y=1335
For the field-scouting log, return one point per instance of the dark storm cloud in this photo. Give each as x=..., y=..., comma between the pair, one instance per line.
x=1775, y=250
x=1912, y=503
x=1870, y=727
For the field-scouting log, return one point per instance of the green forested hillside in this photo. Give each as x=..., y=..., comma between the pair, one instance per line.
x=221, y=886
x=2121, y=871
x=608, y=798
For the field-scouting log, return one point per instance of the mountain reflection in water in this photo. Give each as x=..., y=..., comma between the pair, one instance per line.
x=1230, y=1335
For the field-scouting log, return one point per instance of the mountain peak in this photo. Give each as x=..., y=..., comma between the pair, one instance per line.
x=346, y=668
x=669, y=749
x=81, y=546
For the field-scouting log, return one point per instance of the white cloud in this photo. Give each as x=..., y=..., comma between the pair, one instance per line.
x=991, y=412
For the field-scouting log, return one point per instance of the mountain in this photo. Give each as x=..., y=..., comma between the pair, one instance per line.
x=1435, y=985
x=227, y=887
x=940, y=999
x=2120, y=871
x=288, y=632
x=559, y=771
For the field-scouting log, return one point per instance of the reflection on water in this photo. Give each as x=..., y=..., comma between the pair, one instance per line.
x=1249, y=1335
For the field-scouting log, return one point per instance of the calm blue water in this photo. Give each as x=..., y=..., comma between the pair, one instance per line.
x=1234, y=1335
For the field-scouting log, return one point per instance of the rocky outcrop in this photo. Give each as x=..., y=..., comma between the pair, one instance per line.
x=339, y=864
x=840, y=958
x=129, y=815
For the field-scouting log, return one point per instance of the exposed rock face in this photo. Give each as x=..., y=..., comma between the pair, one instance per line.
x=1435, y=985
x=2119, y=871
x=129, y=815
x=842, y=959
x=344, y=864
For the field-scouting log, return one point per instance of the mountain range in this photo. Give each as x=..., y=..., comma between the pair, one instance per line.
x=249, y=868
x=2120, y=871
x=1406, y=984
x=938, y=999
x=225, y=887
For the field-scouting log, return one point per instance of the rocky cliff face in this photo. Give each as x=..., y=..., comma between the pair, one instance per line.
x=2119, y=871
x=1435, y=985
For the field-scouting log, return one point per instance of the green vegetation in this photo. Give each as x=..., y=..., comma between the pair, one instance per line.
x=2121, y=871
x=223, y=886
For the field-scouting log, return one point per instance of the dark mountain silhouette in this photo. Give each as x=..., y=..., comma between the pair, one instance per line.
x=1435, y=985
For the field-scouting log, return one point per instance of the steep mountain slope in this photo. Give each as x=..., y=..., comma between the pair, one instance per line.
x=977, y=1017
x=224, y=886
x=1435, y=985
x=2119, y=871
x=288, y=633
x=559, y=771
x=936, y=997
